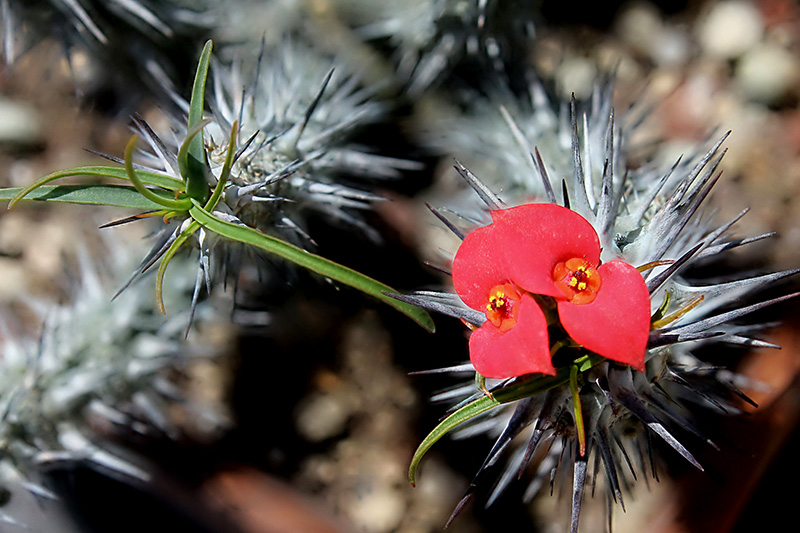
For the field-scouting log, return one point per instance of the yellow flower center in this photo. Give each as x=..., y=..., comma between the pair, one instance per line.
x=502, y=306
x=578, y=280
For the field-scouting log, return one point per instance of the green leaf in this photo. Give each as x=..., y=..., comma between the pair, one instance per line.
x=175, y=204
x=193, y=168
x=469, y=411
x=312, y=262
x=577, y=410
x=111, y=195
x=168, y=255
x=185, y=158
x=519, y=389
x=149, y=178
x=226, y=169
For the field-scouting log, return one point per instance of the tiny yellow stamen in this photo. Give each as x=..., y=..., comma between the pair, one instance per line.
x=496, y=301
x=501, y=308
x=578, y=280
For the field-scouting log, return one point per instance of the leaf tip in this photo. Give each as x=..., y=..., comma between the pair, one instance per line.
x=19, y=196
x=427, y=323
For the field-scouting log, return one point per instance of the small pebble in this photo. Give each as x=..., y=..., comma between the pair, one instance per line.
x=637, y=24
x=642, y=27
x=19, y=124
x=767, y=73
x=730, y=29
x=321, y=417
x=379, y=511
x=576, y=75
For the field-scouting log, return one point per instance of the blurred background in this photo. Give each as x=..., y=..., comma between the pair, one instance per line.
x=322, y=416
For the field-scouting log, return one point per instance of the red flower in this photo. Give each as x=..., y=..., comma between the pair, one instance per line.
x=547, y=250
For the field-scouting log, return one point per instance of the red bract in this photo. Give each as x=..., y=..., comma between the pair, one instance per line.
x=547, y=250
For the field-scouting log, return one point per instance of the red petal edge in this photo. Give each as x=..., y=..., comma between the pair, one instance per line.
x=536, y=237
x=524, y=349
x=617, y=324
x=478, y=267
x=522, y=245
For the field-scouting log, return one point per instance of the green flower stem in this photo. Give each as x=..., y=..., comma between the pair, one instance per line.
x=310, y=261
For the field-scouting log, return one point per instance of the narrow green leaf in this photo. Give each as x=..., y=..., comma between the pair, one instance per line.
x=310, y=261
x=577, y=410
x=194, y=167
x=469, y=411
x=111, y=195
x=226, y=169
x=185, y=157
x=182, y=204
x=168, y=255
x=149, y=178
x=588, y=361
x=518, y=390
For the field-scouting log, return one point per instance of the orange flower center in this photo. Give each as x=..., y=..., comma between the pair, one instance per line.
x=578, y=280
x=502, y=308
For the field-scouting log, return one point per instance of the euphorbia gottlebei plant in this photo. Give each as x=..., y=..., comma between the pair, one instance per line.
x=192, y=197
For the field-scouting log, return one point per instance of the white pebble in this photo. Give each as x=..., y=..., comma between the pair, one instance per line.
x=730, y=29
x=767, y=73
x=576, y=75
x=641, y=26
x=19, y=123
x=380, y=510
x=636, y=26
x=321, y=417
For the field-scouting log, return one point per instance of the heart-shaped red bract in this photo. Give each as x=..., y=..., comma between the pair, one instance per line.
x=526, y=248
